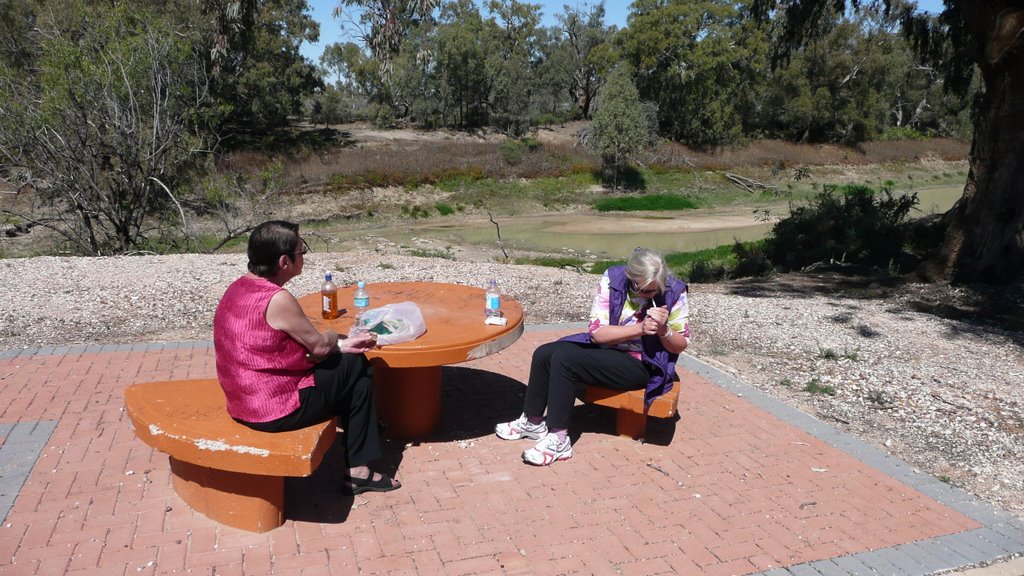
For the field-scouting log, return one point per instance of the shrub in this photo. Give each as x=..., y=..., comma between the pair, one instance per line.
x=751, y=260
x=850, y=223
x=896, y=133
x=706, y=271
x=512, y=151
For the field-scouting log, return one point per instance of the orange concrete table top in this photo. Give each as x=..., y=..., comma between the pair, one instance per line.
x=454, y=315
x=407, y=376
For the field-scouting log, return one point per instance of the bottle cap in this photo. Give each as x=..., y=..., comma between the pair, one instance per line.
x=361, y=284
x=327, y=276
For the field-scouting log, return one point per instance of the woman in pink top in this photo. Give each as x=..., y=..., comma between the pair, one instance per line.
x=266, y=349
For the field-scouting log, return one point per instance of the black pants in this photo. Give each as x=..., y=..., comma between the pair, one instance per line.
x=343, y=387
x=560, y=370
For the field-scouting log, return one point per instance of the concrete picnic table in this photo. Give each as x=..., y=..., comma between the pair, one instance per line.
x=407, y=376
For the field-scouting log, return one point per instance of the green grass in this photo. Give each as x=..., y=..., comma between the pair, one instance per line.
x=816, y=387
x=647, y=202
x=553, y=262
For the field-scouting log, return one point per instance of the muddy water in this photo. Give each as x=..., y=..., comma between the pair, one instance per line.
x=615, y=236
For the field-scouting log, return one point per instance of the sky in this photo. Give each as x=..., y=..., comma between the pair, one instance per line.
x=615, y=13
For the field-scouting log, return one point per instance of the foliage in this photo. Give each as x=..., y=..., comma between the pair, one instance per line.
x=107, y=127
x=647, y=202
x=619, y=127
x=463, y=84
x=699, y=61
x=852, y=224
x=553, y=262
x=585, y=34
x=511, y=39
x=386, y=23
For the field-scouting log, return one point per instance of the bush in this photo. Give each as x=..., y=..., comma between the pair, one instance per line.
x=706, y=271
x=751, y=260
x=851, y=223
x=512, y=151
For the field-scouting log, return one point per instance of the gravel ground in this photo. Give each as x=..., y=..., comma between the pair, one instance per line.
x=941, y=391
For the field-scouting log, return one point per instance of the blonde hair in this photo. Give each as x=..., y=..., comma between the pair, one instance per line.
x=646, y=266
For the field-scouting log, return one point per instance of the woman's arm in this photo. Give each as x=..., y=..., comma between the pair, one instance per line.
x=672, y=327
x=285, y=314
x=615, y=334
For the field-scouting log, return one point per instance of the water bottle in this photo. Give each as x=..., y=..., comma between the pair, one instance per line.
x=360, y=302
x=329, y=297
x=492, y=296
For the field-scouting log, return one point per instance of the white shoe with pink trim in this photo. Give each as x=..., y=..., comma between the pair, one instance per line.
x=548, y=450
x=520, y=428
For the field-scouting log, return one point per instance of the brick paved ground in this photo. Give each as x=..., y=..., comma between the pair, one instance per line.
x=739, y=485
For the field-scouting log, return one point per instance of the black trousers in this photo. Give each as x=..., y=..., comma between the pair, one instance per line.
x=343, y=387
x=559, y=371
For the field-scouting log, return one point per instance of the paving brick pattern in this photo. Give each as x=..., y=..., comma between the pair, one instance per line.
x=732, y=487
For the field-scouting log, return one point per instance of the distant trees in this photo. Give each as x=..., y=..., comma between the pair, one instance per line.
x=705, y=64
x=698, y=61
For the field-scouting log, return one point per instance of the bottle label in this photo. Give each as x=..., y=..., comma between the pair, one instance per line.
x=327, y=304
x=493, y=302
x=362, y=302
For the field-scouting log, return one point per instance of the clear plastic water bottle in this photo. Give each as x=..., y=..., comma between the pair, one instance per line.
x=492, y=305
x=329, y=296
x=360, y=302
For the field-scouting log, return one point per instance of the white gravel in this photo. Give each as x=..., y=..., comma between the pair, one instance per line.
x=946, y=396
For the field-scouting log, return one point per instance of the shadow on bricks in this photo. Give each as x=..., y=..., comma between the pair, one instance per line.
x=319, y=497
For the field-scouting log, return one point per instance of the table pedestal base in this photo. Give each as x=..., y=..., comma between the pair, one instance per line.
x=408, y=399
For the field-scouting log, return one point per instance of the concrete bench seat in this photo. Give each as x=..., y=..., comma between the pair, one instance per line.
x=631, y=417
x=222, y=469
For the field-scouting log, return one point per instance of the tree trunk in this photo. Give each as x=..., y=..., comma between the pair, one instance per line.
x=985, y=238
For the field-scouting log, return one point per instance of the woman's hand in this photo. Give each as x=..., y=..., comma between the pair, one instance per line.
x=358, y=342
x=655, y=320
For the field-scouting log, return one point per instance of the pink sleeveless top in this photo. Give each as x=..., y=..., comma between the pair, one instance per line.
x=260, y=368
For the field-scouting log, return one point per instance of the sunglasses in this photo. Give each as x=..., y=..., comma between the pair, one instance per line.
x=638, y=290
x=303, y=251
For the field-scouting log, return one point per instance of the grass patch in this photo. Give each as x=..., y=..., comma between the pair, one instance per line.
x=647, y=202
x=816, y=387
x=553, y=262
x=827, y=353
x=830, y=354
x=446, y=254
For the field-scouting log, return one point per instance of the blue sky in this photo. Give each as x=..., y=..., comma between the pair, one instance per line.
x=615, y=13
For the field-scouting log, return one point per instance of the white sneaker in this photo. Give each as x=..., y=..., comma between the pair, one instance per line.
x=521, y=428
x=548, y=450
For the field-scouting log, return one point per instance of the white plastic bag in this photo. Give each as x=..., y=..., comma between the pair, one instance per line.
x=394, y=323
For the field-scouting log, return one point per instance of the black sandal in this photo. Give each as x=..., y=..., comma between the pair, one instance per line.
x=368, y=484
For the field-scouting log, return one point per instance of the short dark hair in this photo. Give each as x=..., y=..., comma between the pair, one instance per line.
x=268, y=241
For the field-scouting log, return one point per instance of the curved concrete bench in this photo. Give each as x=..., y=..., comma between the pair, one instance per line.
x=222, y=469
x=631, y=417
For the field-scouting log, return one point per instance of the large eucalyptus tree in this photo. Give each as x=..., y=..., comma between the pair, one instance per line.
x=984, y=236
